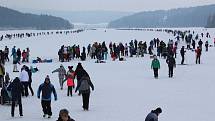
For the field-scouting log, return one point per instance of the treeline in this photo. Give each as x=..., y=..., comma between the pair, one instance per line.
x=211, y=21
x=182, y=17
x=16, y=20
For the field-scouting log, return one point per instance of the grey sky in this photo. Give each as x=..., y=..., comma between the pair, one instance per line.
x=112, y=5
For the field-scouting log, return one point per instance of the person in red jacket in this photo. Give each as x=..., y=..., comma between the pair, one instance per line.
x=24, y=56
x=70, y=80
x=198, y=55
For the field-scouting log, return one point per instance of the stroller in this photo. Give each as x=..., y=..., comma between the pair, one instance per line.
x=5, y=96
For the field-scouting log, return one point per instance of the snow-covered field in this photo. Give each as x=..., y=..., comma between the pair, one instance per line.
x=124, y=91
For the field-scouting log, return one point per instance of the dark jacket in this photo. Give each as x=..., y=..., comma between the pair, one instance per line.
x=47, y=90
x=29, y=74
x=70, y=119
x=84, y=87
x=171, y=61
x=79, y=73
x=151, y=117
x=16, y=89
x=2, y=70
x=182, y=51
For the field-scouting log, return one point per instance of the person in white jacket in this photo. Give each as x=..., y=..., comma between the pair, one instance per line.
x=24, y=78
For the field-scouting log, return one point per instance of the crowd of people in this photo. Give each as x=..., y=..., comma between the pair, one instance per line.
x=35, y=34
x=156, y=48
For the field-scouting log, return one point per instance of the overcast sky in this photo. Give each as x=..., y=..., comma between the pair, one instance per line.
x=110, y=5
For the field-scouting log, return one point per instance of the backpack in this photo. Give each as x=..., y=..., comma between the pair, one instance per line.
x=84, y=85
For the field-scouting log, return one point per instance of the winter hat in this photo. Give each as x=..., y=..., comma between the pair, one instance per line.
x=158, y=110
x=64, y=111
x=79, y=66
x=47, y=78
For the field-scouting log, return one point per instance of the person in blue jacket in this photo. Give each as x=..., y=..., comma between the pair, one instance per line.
x=47, y=89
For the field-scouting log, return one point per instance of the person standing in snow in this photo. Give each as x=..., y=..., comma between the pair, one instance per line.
x=14, y=54
x=155, y=65
x=28, y=54
x=15, y=62
x=61, y=75
x=198, y=55
x=16, y=93
x=19, y=54
x=6, y=52
x=153, y=115
x=206, y=45
x=194, y=44
x=2, y=73
x=70, y=80
x=47, y=89
x=24, y=78
x=200, y=43
x=79, y=73
x=171, y=64
x=30, y=80
x=84, y=89
x=83, y=54
x=182, y=51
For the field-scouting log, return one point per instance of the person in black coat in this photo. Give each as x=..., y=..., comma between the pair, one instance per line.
x=84, y=89
x=171, y=64
x=83, y=55
x=30, y=79
x=16, y=88
x=182, y=51
x=80, y=72
x=153, y=115
x=19, y=54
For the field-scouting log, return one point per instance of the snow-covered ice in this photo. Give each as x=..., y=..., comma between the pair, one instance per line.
x=124, y=91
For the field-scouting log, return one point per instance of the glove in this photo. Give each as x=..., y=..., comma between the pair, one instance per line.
x=38, y=97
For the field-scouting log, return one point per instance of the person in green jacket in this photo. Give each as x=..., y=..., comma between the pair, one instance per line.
x=155, y=65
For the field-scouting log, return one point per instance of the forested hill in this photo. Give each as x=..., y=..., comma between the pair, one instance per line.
x=12, y=19
x=181, y=17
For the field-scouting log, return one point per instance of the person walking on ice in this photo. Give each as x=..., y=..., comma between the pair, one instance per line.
x=155, y=65
x=47, y=89
x=61, y=75
x=84, y=89
x=171, y=64
x=16, y=88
